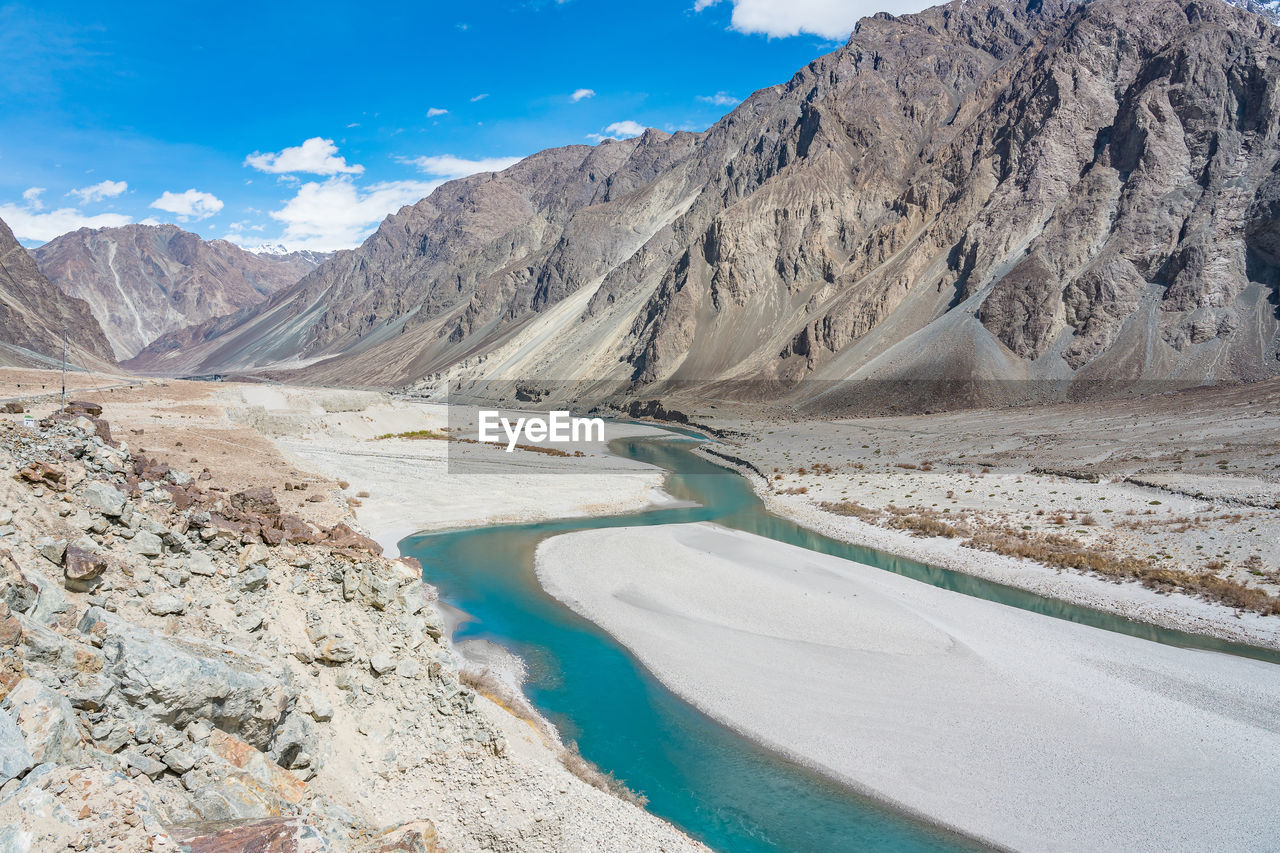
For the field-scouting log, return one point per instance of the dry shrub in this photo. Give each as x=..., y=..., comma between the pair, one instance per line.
x=573, y=761
x=852, y=508
x=798, y=490
x=1063, y=552
x=416, y=435
x=924, y=525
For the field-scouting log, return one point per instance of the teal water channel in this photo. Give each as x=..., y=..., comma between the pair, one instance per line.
x=714, y=784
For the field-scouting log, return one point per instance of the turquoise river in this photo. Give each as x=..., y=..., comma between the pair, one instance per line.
x=714, y=784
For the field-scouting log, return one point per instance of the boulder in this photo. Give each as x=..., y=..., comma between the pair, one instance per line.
x=15, y=757
x=294, y=745
x=10, y=627
x=165, y=605
x=83, y=407
x=259, y=500
x=104, y=499
x=146, y=544
x=342, y=536
x=82, y=568
x=179, y=760
x=253, y=556
x=179, y=681
x=17, y=589
x=146, y=765
x=267, y=834
x=52, y=549
x=47, y=722
x=418, y=836
x=202, y=564
x=43, y=474
x=254, y=579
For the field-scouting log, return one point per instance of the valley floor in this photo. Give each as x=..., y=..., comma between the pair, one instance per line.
x=1162, y=509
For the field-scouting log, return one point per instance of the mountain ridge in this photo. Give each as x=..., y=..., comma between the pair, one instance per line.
x=34, y=315
x=982, y=190
x=142, y=281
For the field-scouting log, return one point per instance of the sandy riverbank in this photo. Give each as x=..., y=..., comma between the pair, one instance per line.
x=404, y=486
x=1029, y=731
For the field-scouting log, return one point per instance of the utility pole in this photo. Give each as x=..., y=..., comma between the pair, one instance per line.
x=64, y=365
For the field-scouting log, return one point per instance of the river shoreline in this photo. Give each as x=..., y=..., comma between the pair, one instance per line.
x=905, y=690
x=1129, y=600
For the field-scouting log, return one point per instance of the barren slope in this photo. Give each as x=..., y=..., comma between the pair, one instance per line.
x=144, y=280
x=980, y=191
x=34, y=313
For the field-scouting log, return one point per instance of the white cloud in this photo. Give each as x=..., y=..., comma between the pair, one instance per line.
x=619, y=130
x=336, y=214
x=832, y=19
x=28, y=224
x=719, y=99
x=436, y=111
x=480, y=97
x=32, y=198
x=316, y=156
x=191, y=205
x=99, y=191
x=582, y=95
x=450, y=167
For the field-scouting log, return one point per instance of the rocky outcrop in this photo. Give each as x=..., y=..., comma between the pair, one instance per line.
x=184, y=668
x=142, y=281
x=34, y=314
x=1074, y=193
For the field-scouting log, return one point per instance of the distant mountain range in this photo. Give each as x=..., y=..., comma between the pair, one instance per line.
x=142, y=281
x=34, y=316
x=1074, y=193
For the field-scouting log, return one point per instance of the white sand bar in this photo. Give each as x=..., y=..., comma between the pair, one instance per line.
x=1020, y=729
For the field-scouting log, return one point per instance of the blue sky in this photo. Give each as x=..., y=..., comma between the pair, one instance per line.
x=306, y=123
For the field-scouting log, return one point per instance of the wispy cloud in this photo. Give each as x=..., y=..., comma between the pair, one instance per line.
x=582, y=95
x=436, y=111
x=99, y=191
x=719, y=99
x=450, y=167
x=336, y=214
x=189, y=206
x=830, y=19
x=479, y=97
x=32, y=197
x=315, y=156
x=619, y=130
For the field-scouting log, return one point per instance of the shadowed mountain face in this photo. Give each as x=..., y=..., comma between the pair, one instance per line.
x=34, y=313
x=985, y=190
x=142, y=281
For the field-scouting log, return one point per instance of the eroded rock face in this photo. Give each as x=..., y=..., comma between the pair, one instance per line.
x=181, y=681
x=34, y=312
x=141, y=281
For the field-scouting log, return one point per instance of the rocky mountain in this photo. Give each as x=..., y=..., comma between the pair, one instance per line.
x=34, y=313
x=988, y=190
x=142, y=281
